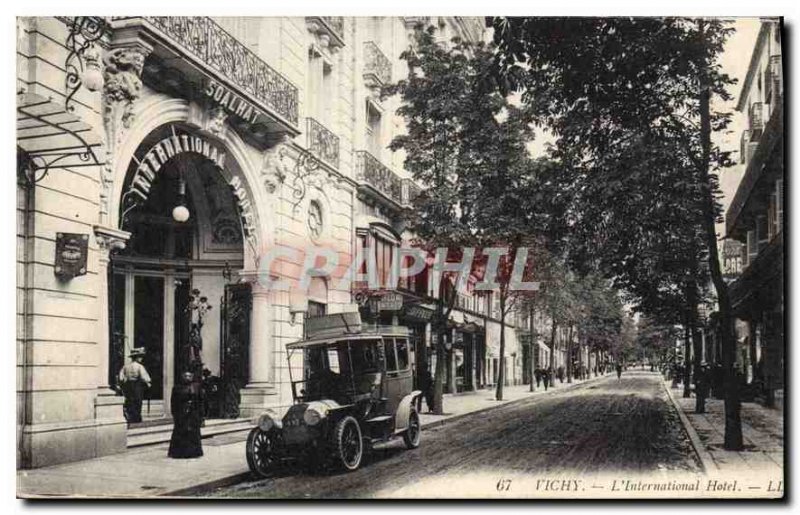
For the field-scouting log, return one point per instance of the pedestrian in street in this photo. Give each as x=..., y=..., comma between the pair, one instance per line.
x=619, y=370
x=187, y=405
x=548, y=378
x=135, y=381
x=538, y=375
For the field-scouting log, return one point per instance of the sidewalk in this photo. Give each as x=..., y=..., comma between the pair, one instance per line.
x=762, y=429
x=148, y=472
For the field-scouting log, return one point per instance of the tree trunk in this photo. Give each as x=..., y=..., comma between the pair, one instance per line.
x=687, y=361
x=552, y=370
x=733, y=422
x=438, y=379
x=502, y=373
x=570, y=350
x=533, y=348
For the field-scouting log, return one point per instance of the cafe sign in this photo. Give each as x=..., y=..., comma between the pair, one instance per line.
x=71, y=251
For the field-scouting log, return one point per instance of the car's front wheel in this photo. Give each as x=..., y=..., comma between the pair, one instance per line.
x=348, y=447
x=411, y=436
x=261, y=455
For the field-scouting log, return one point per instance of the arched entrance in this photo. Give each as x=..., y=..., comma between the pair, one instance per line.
x=190, y=220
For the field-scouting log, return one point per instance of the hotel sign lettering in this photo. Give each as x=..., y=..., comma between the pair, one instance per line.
x=231, y=102
x=151, y=164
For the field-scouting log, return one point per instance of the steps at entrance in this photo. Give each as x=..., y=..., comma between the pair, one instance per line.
x=150, y=434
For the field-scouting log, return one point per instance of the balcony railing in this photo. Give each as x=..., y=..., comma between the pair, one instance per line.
x=410, y=192
x=756, y=120
x=372, y=172
x=377, y=67
x=207, y=41
x=322, y=143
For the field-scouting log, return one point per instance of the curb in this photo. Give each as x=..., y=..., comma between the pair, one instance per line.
x=706, y=461
x=241, y=476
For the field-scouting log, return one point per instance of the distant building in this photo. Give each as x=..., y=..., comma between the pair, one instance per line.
x=755, y=218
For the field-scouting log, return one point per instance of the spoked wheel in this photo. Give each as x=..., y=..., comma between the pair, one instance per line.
x=261, y=456
x=412, y=435
x=347, y=446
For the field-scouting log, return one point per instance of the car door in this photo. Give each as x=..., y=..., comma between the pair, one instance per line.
x=399, y=379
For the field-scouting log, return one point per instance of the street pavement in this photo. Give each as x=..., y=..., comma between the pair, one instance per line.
x=626, y=426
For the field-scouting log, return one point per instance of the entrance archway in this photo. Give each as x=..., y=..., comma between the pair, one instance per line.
x=172, y=275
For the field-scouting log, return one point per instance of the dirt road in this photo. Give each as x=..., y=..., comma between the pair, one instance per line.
x=625, y=426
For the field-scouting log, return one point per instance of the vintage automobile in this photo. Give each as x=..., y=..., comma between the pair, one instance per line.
x=356, y=391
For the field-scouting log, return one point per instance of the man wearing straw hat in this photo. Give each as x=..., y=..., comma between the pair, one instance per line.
x=134, y=379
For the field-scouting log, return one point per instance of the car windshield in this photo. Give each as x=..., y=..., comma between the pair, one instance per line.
x=333, y=370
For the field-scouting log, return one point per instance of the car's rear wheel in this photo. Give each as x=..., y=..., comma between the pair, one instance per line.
x=411, y=436
x=348, y=447
x=261, y=457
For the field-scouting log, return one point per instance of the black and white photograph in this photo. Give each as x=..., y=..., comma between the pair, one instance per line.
x=400, y=257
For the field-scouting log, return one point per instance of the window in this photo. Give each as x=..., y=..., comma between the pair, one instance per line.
x=333, y=360
x=315, y=309
x=373, y=132
x=391, y=359
x=402, y=355
x=762, y=232
x=320, y=88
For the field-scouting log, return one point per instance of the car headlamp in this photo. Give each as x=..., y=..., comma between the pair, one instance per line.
x=266, y=422
x=313, y=415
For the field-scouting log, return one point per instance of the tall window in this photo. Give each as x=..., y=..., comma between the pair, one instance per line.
x=373, y=131
x=320, y=88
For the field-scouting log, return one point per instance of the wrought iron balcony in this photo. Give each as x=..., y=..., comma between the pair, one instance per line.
x=232, y=61
x=410, y=192
x=756, y=120
x=322, y=143
x=377, y=67
x=373, y=173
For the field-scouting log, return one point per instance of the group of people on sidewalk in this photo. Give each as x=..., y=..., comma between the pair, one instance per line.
x=186, y=405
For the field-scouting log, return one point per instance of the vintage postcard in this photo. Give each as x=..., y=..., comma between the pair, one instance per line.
x=412, y=257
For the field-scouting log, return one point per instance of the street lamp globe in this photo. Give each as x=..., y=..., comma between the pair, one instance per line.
x=180, y=213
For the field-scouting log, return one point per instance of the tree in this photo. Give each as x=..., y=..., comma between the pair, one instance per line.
x=599, y=83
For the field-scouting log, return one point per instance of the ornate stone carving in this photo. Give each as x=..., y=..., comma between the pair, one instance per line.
x=123, y=86
x=109, y=240
x=275, y=166
x=216, y=121
x=314, y=221
x=123, y=82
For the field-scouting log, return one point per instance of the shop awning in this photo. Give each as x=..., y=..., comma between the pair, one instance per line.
x=49, y=137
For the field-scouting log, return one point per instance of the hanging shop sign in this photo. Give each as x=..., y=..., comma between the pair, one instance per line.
x=232, y=103
x=386, y=302
x=71, y=252
x=418, y=313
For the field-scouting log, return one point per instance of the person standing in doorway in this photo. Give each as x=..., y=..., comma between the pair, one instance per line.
x=134, y=380
x=187, y=406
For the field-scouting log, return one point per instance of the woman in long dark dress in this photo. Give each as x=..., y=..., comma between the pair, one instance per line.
x=187, y=412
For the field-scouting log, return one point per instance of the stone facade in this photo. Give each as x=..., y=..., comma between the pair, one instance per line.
x=291, y=178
